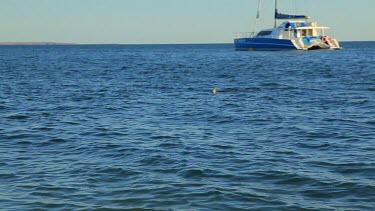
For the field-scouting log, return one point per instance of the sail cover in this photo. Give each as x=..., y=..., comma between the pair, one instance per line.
x=279, y=15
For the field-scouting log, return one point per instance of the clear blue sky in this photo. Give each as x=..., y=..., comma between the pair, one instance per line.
x=169, y=21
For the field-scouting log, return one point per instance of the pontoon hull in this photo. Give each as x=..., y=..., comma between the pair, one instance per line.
x=263, y=44
x=270, y=44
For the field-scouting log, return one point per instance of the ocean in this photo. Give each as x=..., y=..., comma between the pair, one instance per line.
x=136, y=127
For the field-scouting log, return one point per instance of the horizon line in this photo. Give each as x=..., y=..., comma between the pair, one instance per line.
x=70, y=43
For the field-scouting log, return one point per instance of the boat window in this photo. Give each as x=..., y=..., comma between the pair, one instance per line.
x=264, y=33
x=307, y=32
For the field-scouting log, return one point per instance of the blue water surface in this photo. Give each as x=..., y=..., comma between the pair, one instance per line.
x=136, y=127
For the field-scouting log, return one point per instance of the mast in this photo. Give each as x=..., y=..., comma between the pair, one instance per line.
x=258, y=16
x=275, y=13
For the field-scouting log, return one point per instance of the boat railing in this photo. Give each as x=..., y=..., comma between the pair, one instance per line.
x=239, y=35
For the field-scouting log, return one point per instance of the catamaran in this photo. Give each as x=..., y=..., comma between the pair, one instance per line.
x=295, y=33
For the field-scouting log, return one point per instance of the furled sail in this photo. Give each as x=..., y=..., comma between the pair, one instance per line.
x=279, y=15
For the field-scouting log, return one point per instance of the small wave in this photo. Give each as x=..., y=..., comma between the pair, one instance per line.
x=325, y=193
x=289, y=153
x=51, y=188
x=296, y=180
x=164, y=137
x=18, y=117
x=117, y=171
x=340, y=165
x=170, y=145
x=46, y=204
x=226, y=76
x=52, y=141
x=44, y=128
x=24, y=142
x=246, y=89
x=82, y=98
x=125, y=67
x=20, y=136
x=57, y=140
x=102, y=129
x=157, y=160
x=219, y=146
x=46, y=114
x=314, y=145
x=8, y=176
x=110, y=133
x=72, y=123
x=270, y=84
x=42, y=194
x=192, y=173
x=355, y=170
x=111, y=146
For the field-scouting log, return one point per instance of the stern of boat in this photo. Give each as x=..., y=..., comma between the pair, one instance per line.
x=316, y=43
x=333, y=43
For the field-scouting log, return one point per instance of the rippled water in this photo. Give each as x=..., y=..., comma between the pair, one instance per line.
x=136, y=127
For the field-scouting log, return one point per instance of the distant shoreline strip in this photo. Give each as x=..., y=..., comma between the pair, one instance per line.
x=36, y=43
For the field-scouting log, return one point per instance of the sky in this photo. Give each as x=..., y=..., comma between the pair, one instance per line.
x=170, y=21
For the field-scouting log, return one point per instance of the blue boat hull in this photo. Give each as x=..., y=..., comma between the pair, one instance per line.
x=263, y=44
